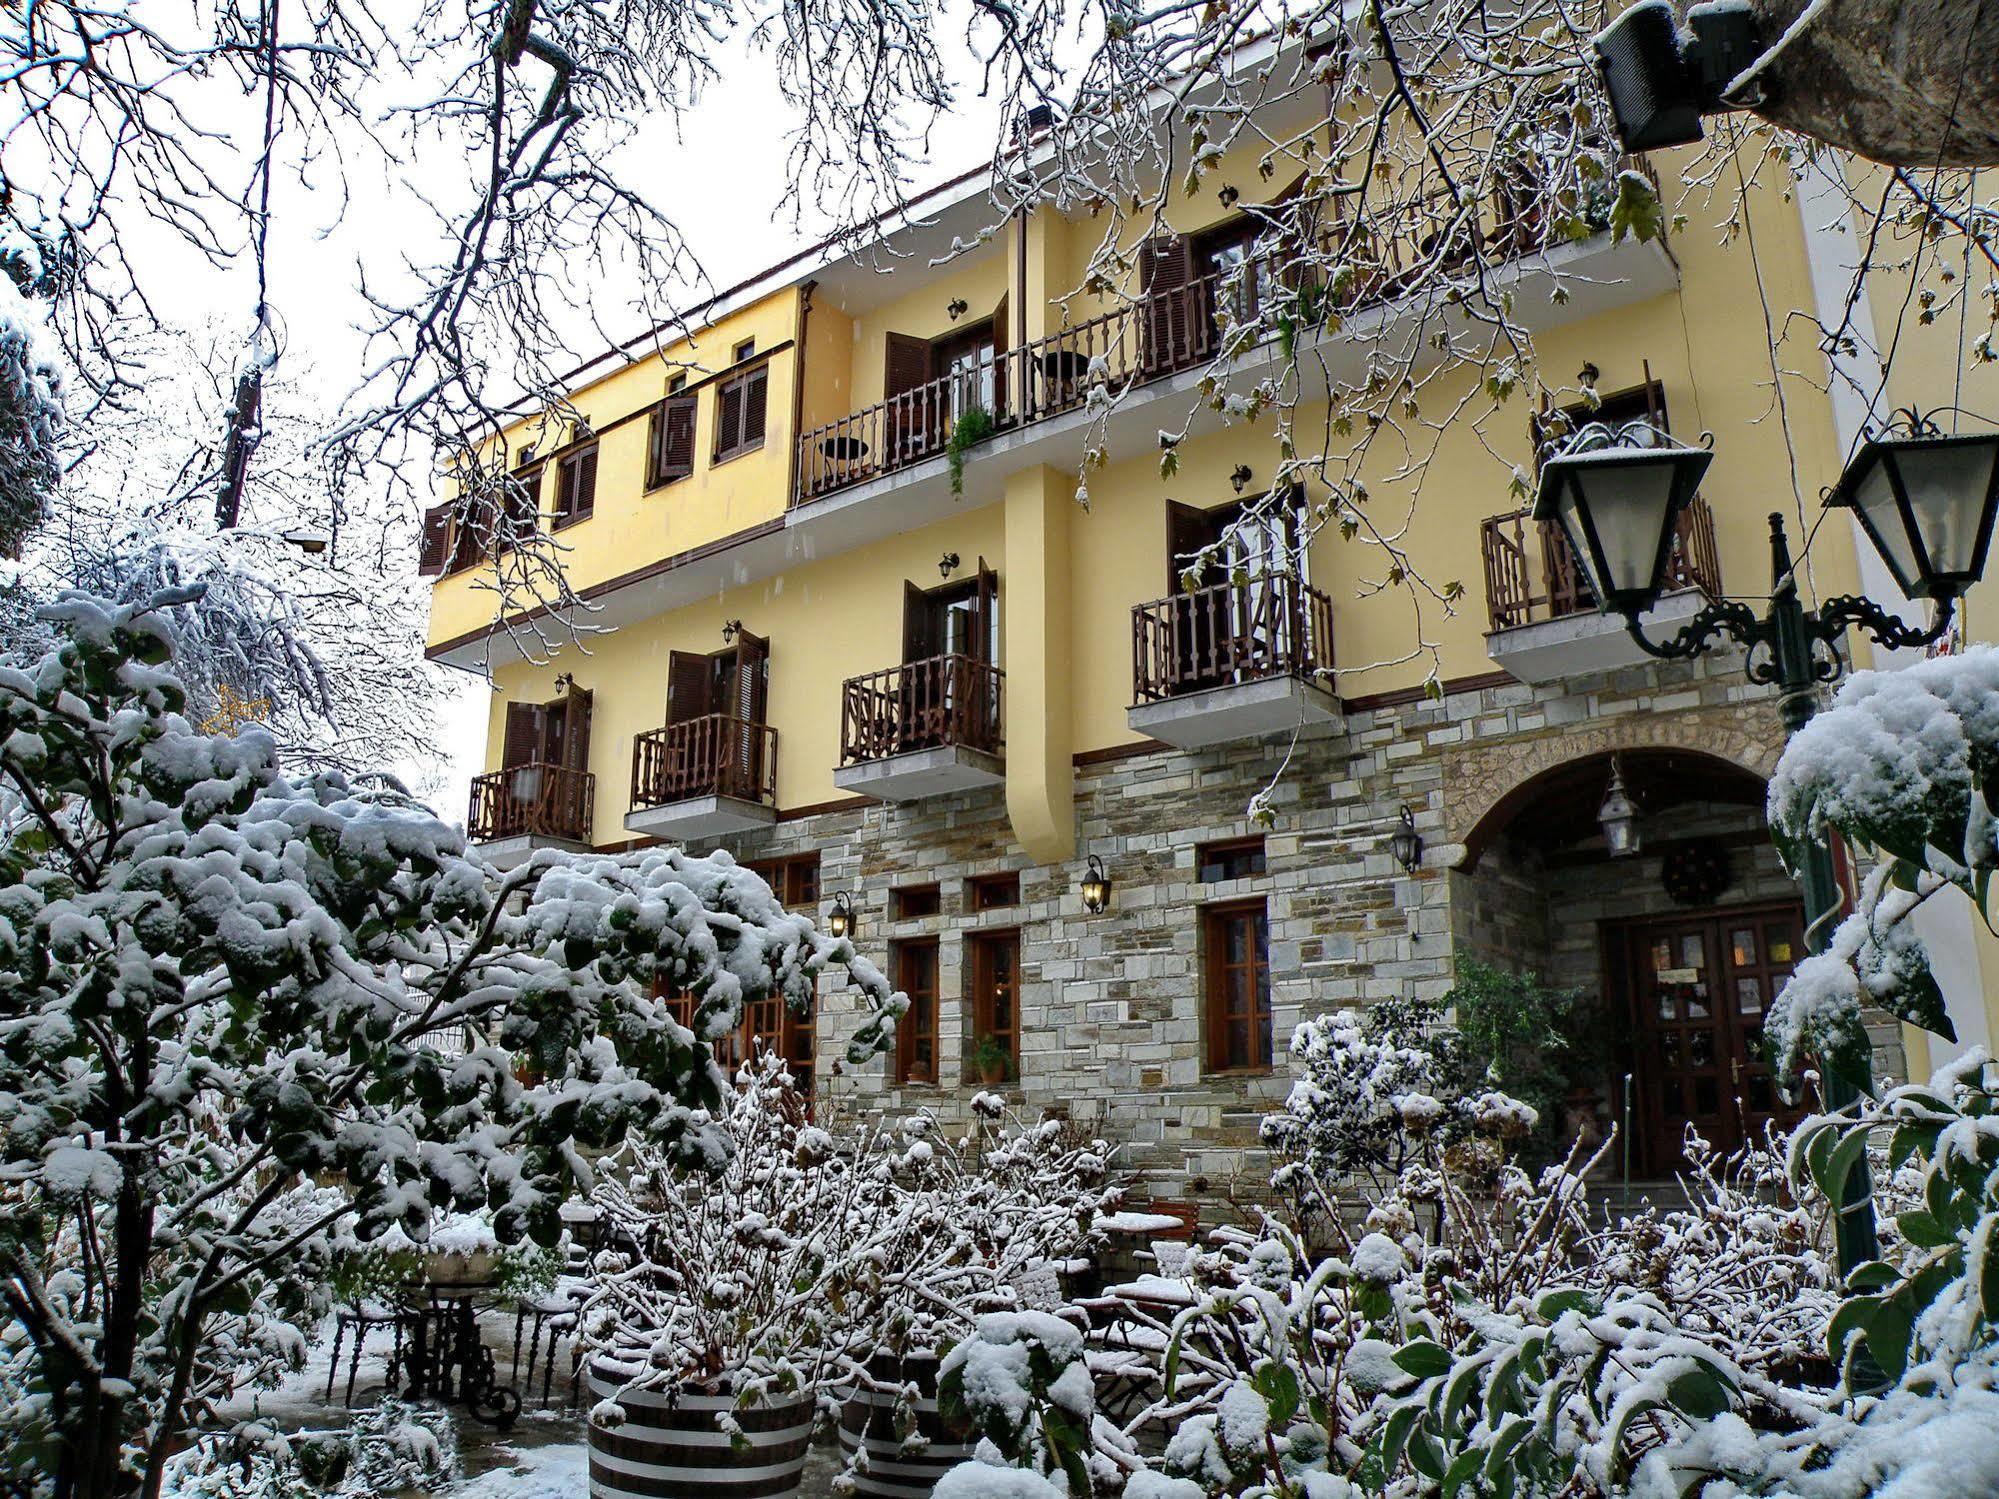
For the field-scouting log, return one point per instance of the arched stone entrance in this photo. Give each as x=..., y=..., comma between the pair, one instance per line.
x=1680, y=947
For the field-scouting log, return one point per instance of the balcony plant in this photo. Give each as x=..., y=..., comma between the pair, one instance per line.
x=974, y=426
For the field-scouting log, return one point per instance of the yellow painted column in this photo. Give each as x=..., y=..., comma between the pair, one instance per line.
x=1035, y=633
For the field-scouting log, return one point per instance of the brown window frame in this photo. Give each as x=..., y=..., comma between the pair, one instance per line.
x=981, y=989
x=998, y=891
x=730, y=445
x=1207, y=855
x=1215, y=974
x=914, y=902
x=917, y=1027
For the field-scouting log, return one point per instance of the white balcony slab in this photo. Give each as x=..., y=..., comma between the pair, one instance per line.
x=1577, y=645
x=699, y=817
x=510, y=853
x=1243, y=710
x=916, y=774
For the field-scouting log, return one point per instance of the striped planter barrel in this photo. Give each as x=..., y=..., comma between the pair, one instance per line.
x=676, y=1451
x=868, y=1420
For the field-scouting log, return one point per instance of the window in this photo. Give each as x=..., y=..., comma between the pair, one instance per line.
x=995, y=979
x=676, y=382
x=915, y=966
x=989, y=892
x=1232, y=859
x=1230, y=249
x=794, y=881
x=743, y=351
x=1551, y=430
x=913, y=901
x=576, y=486
x=739, y=413
x=1238, y=987
x=670, y=440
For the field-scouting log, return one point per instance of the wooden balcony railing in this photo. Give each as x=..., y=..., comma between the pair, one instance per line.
x=717, y=754
x=1153, y=336
x=1531, y=575
x=539, y=801
x=920, y=705
x=1230, y=633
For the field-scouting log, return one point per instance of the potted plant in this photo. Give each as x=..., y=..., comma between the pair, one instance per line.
x=976, y=1224
x=992, y=1061
x=722, y=1306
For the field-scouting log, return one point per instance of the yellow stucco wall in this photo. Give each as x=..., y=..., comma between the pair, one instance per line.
x=1070, y=576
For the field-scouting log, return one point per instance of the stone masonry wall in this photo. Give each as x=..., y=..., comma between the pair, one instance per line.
x=1111, y=1005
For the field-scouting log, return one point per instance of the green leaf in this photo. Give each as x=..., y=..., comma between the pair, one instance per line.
x=1279, y=1387
x=1922, y=1230
x=1839, y=1163
x=1637, y=213
x=1985, y=1255
x=1556, y=1303
x=1701, y=1392
x=1422, y=1358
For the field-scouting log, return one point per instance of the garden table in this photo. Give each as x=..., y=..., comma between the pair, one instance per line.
x=447, y=1360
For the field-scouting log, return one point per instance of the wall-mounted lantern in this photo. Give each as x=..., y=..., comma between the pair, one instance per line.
x=730, y=630
x=1239, y=480
x=947, y=564
x=842, y=920
x=1096, y=887
x=957, y=307
x=1406, y=843
x=1228, y=197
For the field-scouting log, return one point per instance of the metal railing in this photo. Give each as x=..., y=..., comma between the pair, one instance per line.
x=537, y=800
x=1230, y=633
x=1161, y=334
x=717, y=754
x=1531, y=575
x=946, y=700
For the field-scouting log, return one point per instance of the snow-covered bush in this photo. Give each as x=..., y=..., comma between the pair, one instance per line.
x=390, y=1447
x=1021, y=1380
x=30, y=398
x=218, y=994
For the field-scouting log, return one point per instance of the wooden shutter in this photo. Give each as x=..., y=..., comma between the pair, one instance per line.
x=756, y=401
x=688, y=675
x=728, y=418
x=1165, y=272
x=985, y=614
x=919, y=625
x=576, y=741
x=752, y=677
x=434, y=552
x=908, y=364
x=672, y=440
x=523, y=495
x=577, y=486
x=527, y=723
x=1187, y=531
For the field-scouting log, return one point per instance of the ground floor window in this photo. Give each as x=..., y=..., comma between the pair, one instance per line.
x=915, y=967
x=1237, y=940
x=994, y=962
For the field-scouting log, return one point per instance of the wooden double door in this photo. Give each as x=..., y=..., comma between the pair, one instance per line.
x=1699, y=987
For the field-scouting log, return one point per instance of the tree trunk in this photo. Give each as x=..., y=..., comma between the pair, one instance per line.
x=1913, y=83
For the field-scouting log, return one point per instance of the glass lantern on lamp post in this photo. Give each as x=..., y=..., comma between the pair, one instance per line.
x=1925, y=502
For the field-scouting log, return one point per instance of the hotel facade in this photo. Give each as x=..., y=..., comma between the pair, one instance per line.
x=944, y=704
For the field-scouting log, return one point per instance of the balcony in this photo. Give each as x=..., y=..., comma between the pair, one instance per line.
x=527, y=807
x=925, y=728
x=1544, y=625
x=1232, y=661
x=703, y=778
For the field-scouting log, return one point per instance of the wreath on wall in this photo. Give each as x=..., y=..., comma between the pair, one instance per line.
x=1695, y=872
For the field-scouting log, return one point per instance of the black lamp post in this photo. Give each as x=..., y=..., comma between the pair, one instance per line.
x=1926, y=502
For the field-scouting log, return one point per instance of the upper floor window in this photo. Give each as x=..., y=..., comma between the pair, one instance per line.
x=915, y=968
x=739, y=412
x=990, y=892
x=742, y=351
x=576, y=486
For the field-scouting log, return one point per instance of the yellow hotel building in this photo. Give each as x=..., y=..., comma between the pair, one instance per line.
x=944, y=710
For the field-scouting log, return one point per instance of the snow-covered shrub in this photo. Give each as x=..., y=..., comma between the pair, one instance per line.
x=218, y=994
x=30, y=399
x=391, y=1447
x=1022, y=1382
x=733, y=1276
x=1905, y=763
